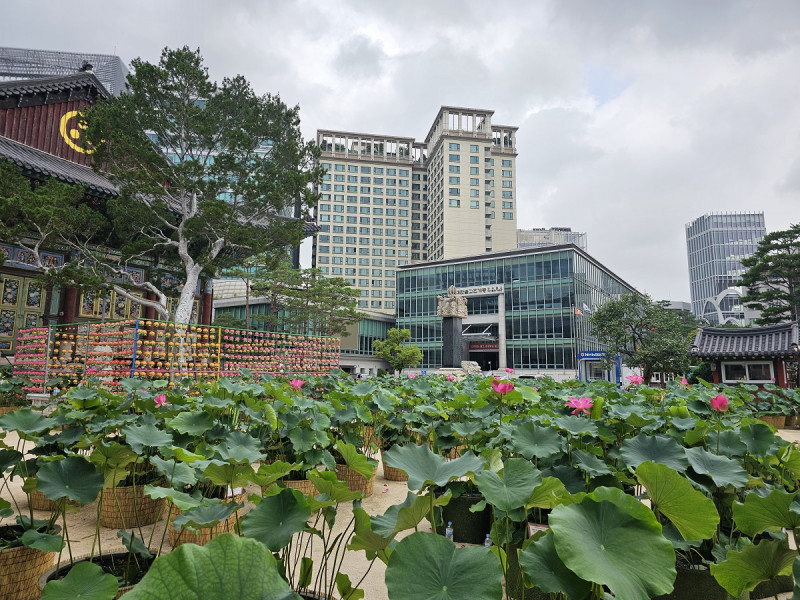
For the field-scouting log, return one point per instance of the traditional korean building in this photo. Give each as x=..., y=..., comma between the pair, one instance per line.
x=40, y=132
x=755, y=355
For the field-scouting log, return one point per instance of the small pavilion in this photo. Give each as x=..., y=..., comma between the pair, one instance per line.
x=755, y=355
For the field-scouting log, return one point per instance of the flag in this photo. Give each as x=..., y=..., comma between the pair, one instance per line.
x=578, y=312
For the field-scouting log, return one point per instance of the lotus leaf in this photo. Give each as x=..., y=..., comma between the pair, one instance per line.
x=191, y=423
x=74, y=478
x=541, y=563
x=429, y=566
x=613, y=539
x=692, y=513
x=656, y=448
x=510, y=488
x=745, y=569
x=86, y=581
x=424, y=467
x=226, y=567
x=722, y=470
x=530, y=439
x=277, y=518
x=760, y=513
x=147, y=434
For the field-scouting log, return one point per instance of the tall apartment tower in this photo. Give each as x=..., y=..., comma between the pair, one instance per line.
x=388, y=201
x=716, y=245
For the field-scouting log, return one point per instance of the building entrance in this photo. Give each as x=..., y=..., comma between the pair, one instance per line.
x=487, y=360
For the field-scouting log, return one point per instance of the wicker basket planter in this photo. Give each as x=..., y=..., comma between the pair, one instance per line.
x=304, y=485
x=40, y=502
x=63, y=569
x=205, y=535
x=128, y=507
x=355, y=481
x=776, y=421
x=393, y=474
x=7, y=409
x=20, y=570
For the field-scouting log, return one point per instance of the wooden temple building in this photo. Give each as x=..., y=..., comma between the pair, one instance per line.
x=754, y=355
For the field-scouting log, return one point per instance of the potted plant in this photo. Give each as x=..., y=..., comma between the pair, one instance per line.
x=12, y=391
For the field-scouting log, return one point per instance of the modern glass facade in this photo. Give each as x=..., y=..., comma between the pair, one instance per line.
x=716, y=245
x=538, y=320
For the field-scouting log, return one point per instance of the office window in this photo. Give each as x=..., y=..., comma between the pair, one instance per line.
x=474, y=203
x=453, y=158
x=508, y=184
x=507, y=194
x=452, y=180
x=474, y=159
x=455, y=202
x=473, y=147
x=508, y=215
x=506, y=162
x=475, y=193
x=506, y=172
x=455, y=169
x=454, y=192
x=365, y=170
x=507, y=204
x=454, y=146
x=352, y=168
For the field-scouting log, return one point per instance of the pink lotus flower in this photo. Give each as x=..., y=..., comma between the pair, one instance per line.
x=684, y=381
x=296, y=383
x=450, y=378
x=636, y=379
x=411, y=376
x=508, y=370
x=161, y=400
x=580, y=405
x=719, y=403
x=502, y=387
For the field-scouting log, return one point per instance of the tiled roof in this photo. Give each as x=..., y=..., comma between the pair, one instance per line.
x=749, y=342
x=51, y=84
x=31, y=159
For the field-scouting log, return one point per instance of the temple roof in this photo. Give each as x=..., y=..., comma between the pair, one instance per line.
x=748, y=342
x=36, y=162
x=24, y=87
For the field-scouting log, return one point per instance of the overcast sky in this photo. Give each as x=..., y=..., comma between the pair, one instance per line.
x=634, y=117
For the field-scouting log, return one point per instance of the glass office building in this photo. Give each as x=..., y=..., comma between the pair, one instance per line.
x=716, y=245
x=528, y=309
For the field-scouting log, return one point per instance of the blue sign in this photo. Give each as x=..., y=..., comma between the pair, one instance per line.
x=592, y=354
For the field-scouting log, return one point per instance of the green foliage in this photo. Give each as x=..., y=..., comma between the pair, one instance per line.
x=37, y=215
x=773, y=277
x=430, y=566
x=85, y=580
x=744, y=570
x=226, y=567
x=395, y=351
x=645, y=334
x=207, y=185
x=612, y=539
x=303, y=301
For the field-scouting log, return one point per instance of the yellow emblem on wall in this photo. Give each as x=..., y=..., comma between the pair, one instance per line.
x=71, y=128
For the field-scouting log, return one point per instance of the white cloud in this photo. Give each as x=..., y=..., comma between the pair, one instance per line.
x=635, y=118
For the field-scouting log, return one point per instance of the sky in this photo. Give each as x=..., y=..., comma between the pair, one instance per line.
x=634, y=117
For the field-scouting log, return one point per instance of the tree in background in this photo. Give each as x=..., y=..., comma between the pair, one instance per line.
x=205, y=171
x=303, y=301
x=38, y=215
x=773, y=277
x=645, y=334
x=395, y=351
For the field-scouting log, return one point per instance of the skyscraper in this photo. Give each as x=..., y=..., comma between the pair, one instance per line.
x=388, y=201
x=716, y=245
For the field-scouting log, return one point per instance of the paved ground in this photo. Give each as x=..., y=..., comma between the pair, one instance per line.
x=81, y=524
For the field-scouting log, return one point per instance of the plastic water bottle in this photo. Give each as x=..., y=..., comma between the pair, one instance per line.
x=448, y=531
x=487, y=543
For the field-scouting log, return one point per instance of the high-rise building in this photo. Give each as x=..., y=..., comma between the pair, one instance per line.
x=716, y=244
x=25, y=63
x=539, y=237
x=388, y=201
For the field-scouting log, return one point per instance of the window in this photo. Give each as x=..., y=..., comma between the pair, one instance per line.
x=352, y=169
x=452, y=157
x=473, y=147
x=474, y=171
x=366, y=170
x=452, y=181
x=506, y=162
x=455, y=192
x=474, y=159
x=751, y=372
x=507, y=204
x=455, y=202
x=454, y=146
x=474, y=203
x=507, y=215
x=508, y=184
x=338, y=167
x=475, y=193
x=507, y=194
x=506, y=172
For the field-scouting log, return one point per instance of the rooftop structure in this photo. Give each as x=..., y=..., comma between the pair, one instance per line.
x=26, y=63
x=539, y=237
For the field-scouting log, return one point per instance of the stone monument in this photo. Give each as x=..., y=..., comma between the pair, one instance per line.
x=452, y=308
